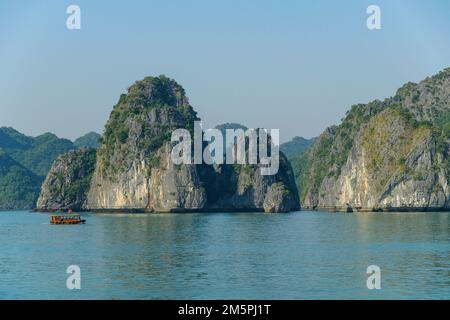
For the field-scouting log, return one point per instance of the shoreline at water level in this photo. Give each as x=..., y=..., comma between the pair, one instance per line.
x=374, y=210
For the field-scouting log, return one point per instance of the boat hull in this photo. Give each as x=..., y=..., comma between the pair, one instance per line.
x=68, y=222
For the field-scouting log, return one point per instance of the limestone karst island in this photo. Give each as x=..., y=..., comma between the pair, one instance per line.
x=390, y=155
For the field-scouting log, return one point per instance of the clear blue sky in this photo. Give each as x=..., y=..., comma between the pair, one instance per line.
x=293, y=65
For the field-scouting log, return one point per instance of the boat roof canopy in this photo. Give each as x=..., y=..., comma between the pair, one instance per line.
x=66, y=215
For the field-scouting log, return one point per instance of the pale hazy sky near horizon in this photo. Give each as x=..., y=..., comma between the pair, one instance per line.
x=293, y=65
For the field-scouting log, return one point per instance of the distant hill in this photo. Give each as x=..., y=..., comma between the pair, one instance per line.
x=11, y=139
x=89, y=140
x=19, y=186
x=25, y=162
x=34, y=153
x=230, y=125
x=296, y=146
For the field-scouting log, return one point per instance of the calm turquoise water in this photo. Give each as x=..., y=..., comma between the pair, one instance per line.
x=302, y=255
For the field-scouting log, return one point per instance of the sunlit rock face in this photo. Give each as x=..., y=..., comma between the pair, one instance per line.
x=390, y=155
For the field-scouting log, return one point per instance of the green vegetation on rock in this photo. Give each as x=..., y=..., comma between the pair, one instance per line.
x=330, y=151
x=68, y=182
x=144, y=118
x=378, y=145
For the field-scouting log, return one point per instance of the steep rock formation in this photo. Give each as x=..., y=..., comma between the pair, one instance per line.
x=243, y=188
x=68, y=182
x=134, y=171
x=390, y=155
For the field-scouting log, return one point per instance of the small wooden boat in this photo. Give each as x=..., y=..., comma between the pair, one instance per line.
x=69, y=218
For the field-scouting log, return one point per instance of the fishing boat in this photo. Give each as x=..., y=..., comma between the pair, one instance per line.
x=68, y=218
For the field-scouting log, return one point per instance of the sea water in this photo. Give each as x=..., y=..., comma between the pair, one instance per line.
x=300, y=255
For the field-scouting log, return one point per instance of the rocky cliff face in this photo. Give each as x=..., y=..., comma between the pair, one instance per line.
x=390, y=155
x=134, y=171
x=243, y=188
x=148, y=185
x=68, y=182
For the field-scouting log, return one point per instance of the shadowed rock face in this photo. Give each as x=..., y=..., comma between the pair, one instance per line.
x=390, y=155
x=134, y=171
x=243, y=188
x=67, y=184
